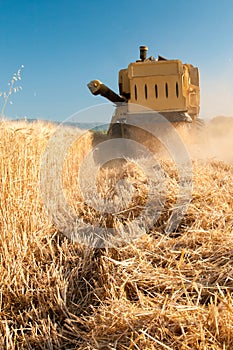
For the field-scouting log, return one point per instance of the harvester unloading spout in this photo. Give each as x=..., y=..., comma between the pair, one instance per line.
x=98, y=88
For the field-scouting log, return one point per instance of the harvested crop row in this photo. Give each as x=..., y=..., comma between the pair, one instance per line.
x=157, y=292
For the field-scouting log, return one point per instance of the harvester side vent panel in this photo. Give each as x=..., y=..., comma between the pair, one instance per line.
x=166, y=90
x=135, y=92
x=177, y=89
x=145, y=91
x=156, y=91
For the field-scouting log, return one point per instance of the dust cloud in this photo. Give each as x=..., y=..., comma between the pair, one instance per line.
x=213, y=140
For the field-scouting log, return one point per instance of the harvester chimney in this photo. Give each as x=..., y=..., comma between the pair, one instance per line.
x=143, y=52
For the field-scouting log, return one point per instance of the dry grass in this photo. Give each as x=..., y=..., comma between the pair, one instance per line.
x=159, y=292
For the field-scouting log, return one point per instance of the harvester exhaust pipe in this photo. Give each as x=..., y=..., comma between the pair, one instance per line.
x=143, y=52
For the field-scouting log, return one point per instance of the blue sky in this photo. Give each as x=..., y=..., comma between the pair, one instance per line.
x=65, y=44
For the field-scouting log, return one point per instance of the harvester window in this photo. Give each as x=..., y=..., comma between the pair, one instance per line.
x=145, y=91
x=135, y=92
x=156, y=91
x=177, y=89
x=166, y=90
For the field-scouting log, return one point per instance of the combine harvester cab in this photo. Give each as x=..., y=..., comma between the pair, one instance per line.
x=161, y=86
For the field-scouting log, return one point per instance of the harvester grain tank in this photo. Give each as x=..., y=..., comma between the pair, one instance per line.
x=168, y=87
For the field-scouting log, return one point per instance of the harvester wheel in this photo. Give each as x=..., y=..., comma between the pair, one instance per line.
x=116, y=130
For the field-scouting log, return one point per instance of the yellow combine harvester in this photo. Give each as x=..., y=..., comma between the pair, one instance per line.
x=167, y=87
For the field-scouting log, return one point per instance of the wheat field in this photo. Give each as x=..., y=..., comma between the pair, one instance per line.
x=159, y=291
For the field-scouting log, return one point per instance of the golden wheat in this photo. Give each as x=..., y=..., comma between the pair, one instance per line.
x=157, y=292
